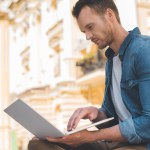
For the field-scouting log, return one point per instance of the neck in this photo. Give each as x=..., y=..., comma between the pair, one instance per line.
x=119, y=36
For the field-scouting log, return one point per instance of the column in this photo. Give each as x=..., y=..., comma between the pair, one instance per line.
x=4, y=84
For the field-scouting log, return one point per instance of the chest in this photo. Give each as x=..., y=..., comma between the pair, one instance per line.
x=126, y=68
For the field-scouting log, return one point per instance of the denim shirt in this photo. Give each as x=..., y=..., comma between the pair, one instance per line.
x=134, y=54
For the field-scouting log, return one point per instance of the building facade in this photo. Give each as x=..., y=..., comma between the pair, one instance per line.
x=50, y=65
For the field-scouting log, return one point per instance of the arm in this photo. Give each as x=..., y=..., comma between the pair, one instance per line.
x=110, y=134
x=137, y=129
x=92, y=113
x=76, y=139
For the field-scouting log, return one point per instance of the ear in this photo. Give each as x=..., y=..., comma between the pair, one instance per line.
x=110, y=15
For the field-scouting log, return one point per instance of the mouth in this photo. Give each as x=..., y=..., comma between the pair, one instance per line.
x=96, y=41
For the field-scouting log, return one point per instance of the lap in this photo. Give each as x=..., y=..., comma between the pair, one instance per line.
x=133, y=148
x=42, y=145
x=99, y=145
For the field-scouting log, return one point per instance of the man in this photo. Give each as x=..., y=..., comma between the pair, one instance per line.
x=127, y=90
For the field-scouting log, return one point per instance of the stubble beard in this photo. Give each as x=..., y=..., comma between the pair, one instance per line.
x=107, y=42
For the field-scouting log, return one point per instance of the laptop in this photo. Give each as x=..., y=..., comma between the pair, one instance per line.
x=36, y=124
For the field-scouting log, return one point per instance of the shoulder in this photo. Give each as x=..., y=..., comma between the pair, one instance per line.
x=140, y=48
x=140, y=43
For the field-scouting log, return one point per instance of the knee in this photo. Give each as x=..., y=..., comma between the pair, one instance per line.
x=34, y=144
x=42, y=145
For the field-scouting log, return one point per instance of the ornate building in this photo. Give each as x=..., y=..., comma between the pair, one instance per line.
x=46, y=61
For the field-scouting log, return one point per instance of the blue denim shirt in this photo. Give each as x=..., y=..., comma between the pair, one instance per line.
x=134, y=54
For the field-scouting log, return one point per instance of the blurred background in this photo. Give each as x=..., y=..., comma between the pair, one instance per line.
x=46, y=61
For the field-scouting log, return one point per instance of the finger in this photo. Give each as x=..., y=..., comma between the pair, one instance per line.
x=81, y=114
x=50, y=139
x=35, y=139
x=91, y=116
x=75, y=115
x=64, y=140
x=91, y=113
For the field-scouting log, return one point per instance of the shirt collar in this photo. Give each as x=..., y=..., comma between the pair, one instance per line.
x=110, y=53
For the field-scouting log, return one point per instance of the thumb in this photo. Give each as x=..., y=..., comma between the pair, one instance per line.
x=91, y=117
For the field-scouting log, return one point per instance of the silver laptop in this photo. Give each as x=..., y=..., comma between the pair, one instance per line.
x=36, y=124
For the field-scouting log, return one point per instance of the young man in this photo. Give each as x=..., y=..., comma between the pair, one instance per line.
x=127, y=90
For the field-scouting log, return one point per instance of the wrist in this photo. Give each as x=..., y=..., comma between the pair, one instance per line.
x=96, y=136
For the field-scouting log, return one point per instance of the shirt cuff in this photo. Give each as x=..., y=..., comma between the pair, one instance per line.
x=127, y=129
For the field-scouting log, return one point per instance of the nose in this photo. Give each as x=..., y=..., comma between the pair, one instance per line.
x=88, y=35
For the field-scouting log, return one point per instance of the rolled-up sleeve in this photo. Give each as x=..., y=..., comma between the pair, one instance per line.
x=128, y=131
x=137, y=130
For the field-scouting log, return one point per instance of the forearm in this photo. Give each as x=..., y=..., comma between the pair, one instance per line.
x=84, y=136
x=109, y=134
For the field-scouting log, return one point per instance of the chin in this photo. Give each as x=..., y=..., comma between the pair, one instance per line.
x=102, y=46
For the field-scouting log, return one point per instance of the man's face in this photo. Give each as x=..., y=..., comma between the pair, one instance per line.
x=97, y=28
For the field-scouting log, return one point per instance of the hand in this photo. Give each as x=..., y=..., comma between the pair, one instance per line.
x=75, y=139
x=90, y=113
x=35, y=139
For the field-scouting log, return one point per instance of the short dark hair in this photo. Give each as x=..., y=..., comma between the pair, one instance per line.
x=99, y=6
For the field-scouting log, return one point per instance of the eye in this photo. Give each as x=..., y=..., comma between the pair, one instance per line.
x=90, y=27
